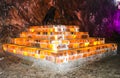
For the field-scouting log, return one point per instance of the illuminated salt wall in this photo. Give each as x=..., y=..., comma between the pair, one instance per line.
x=57, y=43
x=58, y=47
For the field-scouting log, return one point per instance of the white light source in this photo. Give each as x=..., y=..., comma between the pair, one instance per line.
x=117, y=0
x=118, y=6
x=117, y=3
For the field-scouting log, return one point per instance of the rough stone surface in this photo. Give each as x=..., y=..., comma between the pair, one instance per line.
x=105, y=68
x=12, y=67
x=93, y=16
x=64, y=67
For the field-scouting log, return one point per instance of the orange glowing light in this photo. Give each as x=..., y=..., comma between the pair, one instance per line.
x=37, y=55
x=86, y=44
x=14, y=51
x=32, y=30
x=55, y=37
x=5, y=47
x=42, y=56
x=25, y=53
x=51, y=29
x=57, y=44
x=95, y=43
x=74, y=36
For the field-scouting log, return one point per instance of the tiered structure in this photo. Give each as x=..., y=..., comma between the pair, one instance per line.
x=58, y=44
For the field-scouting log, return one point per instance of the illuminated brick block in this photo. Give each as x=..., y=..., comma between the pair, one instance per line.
x=59, y=47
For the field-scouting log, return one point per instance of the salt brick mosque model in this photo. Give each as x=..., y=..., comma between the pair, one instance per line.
x=58, y=44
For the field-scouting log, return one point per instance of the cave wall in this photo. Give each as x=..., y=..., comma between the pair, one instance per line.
x=93, y=16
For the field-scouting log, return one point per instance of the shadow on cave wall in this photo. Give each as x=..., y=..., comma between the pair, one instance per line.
x=93, y=16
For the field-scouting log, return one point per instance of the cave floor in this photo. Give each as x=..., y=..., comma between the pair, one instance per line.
x=13, y=67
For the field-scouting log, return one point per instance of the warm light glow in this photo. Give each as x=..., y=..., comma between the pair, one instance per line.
x=74, y=36
x=54, y=47
x=14, y=51
x=51, y=29
x=37, y=55
x=72, y=29
x=4, y=47
x=56, y=37
x=32, y=30
x=57, y=47
x=76, y=45
x=42, y=56
x=56, y=42
x=95, y=43
x=25, y=53
x=86, y=43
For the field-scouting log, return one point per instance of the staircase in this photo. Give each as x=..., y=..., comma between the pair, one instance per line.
x=57, y=44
